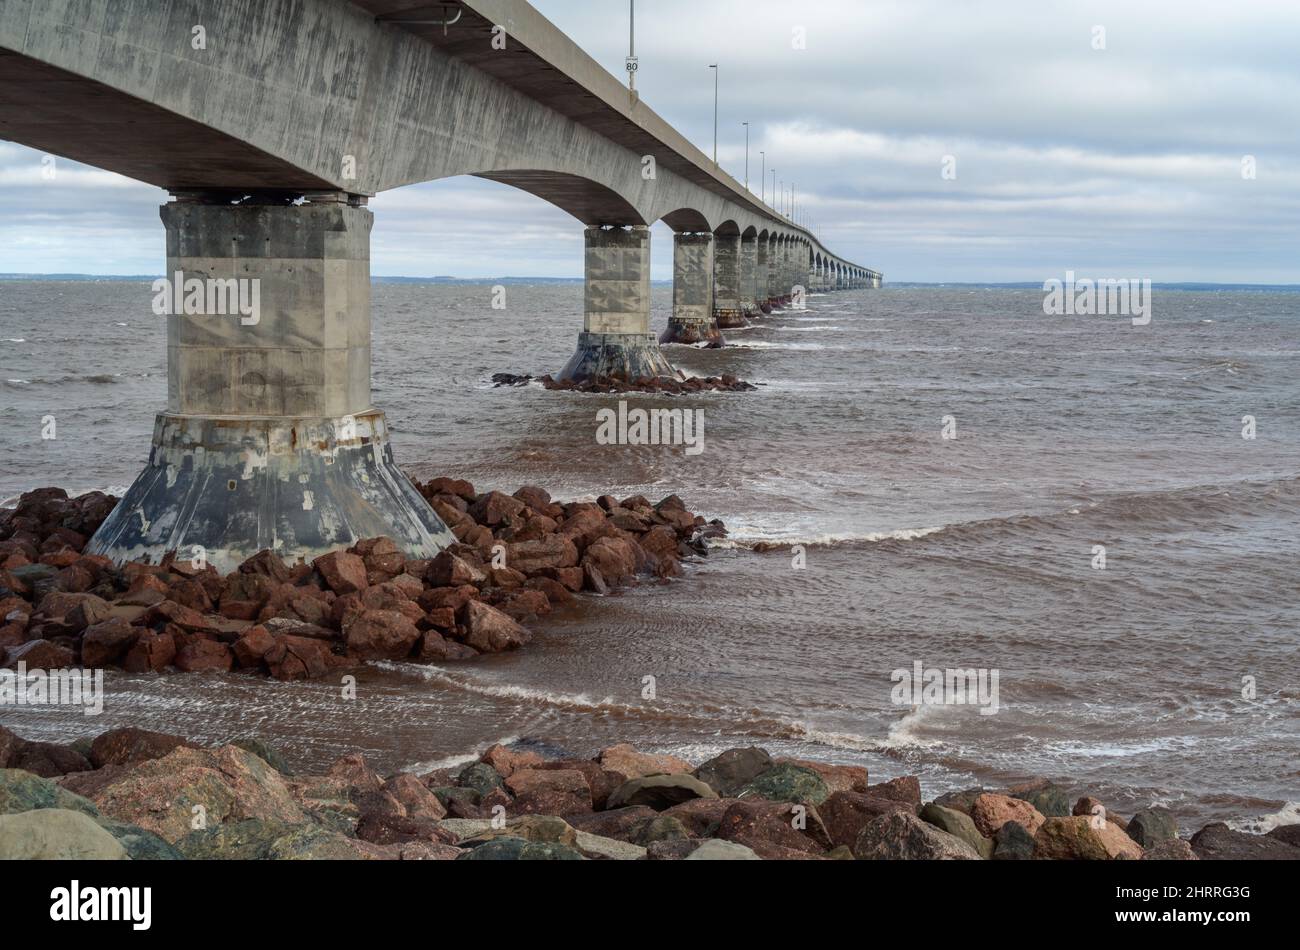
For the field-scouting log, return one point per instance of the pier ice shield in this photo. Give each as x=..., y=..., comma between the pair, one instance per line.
x=269, y=439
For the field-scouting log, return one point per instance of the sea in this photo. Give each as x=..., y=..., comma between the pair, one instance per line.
x=1106, y=516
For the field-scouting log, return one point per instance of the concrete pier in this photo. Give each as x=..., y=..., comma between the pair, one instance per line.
x=748, y=275
x=692, y=318
x=726, y=282
x=269, y=439
x=616, y=341
x=763, y=274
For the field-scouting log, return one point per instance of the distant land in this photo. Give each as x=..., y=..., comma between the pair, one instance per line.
x=376, y=279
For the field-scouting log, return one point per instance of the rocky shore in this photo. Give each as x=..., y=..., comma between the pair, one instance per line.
x=145, y=795
x=665, y=385
x=519, y=557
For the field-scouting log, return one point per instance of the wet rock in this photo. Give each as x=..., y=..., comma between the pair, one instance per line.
x=107, y=642
x=845, y=814
x=1173, y=850
x=519, y=849
x=56, y=834
x=902, y=836
x=1079, y=838
x=1218, y=842
x=380, y=635
x=960, y=801
x=1050, y=800
x=23, y=791
x=40, y=655
x=1151, y=826
x=549, y=791
x=505, y=760
x=787, y=783
x=49, y=759
x=488, y=630
x=129, y=746
x=1013, y=843
x=344, y=573
x=152, y=653
x=774, y=829
x=1287, y=834
x=204, y=656
x=730, y=771
x=297, y=658
x=627, y=761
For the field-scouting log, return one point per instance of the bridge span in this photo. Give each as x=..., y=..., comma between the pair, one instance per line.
x=271, y=123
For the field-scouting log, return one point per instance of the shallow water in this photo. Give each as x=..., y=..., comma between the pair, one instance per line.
x=975, y=552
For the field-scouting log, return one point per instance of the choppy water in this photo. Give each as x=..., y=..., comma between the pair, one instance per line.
x=974, y=552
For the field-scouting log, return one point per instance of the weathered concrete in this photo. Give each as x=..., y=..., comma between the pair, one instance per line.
x=726, y=281
x=692, y=319
x=748, y=274
x=269, y=439
x=616, y=340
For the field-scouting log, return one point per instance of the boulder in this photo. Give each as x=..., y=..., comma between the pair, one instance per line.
x=1173, y=850
x=56, y=834
x=481, y=777
x=990, y=811
x=1078, y=838
x=1287, y=834
x=960, y=801
x=22, y=791
x=506, y=760
x=267, y=753
x=152, y=653
x=701, y=816
x=845, y=814
x=618, y=823
x=344, y=573
x=494, y=508
x=49, y=759
x=550, y=552
x=297, y=658
x=730, y=771
x=659, y=792
x=787, y=783
x=958, y=825
x=549, y=791
x=660, y=828
x=1151, y=826
x=715, y=850
x=774, y=829
x=129, y=745
x=204, y=656
x=902, y=836
x=107, y=642
x=256, y=839
x=40, y=655
x=140, y=845
x=629, y=762
x=448, y=570
x=380, y=635
x=510, y=848
x=1050, y=800
x=418, y=801
x=1218, y=842
x=488, y=630
x=1013, y=843
x=838, y=778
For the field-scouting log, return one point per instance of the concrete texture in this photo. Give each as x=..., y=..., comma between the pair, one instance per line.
x=692, y=318
x=726, y=282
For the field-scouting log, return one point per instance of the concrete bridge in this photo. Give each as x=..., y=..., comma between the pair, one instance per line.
x=271, y=122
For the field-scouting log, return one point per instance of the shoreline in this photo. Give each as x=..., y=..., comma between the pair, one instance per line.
x=131, y=793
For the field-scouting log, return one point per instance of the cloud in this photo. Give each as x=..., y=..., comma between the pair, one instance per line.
x=1123, y=160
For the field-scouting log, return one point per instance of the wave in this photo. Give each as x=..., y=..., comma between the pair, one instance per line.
x=1289, y=814
x=768, y=543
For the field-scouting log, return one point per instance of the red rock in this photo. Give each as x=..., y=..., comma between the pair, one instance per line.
x=203, y=656
x=488, y=630
x=107, y=642
x=539, y=499
x=593, y=580
x=507, y=761
x=905, y=788
x=435, y=648
x=771, y=828
x=555, y=592
x=252, y=646
x=297, y=658
x=448, y=570
x=551, y=552
x=345, y=573
x=153, y=652
x=381, y=555
x=442, y=618
x=549, y=792
x=380, y=635
x=436, y=598
x=451, y=486
x=494, y=508
x=990, y=812
x=570, y=577
x=40, y=655
x=505, y=577
x=268, y=564
x=845, y=814
x=525, y=605
x=130, y=746
x=844, y=778
x=628, y=762
x=615, y=558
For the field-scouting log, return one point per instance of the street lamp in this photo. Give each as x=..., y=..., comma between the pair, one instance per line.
x=746, y=125
x=762, y=179
x=631, y=46
x=714, y=67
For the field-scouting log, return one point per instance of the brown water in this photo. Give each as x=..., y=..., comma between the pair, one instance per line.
x=974, y=552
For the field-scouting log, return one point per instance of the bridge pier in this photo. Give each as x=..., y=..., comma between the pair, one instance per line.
x=692, y=319
x=616, y=341
x=748, y=276
x=269, y=438
x=726, y=282
x=763, y=274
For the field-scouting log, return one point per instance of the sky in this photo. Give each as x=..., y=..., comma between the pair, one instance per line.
x=932, y=140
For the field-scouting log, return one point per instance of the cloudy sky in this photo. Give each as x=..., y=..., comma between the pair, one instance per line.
x=1120, y=161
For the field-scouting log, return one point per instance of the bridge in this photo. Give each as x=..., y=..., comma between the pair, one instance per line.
x=270, y=123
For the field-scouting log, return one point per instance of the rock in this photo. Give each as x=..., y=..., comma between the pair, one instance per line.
x=448, y=570
x=715, y=850
x=1174, y=850
x=152, y=653
x=488, y=630
x=660, y=828
x=56, y=834
x=550, y=552
x=344, y=573
x=1077, y=838
x=615, y=559
x=990, y=811
x=387, y=828
x=659, y=792
x=629, y=762
x=107, y=642
x=418, y=801
x=787, y=783
x=701, y=816
x=905, y=789
x=159, y=795
x=297, y=658
x=23, y=791
x=845, y=814
x=838, y=778
x=1151, y=826
x=506, y=760
x=260, y=839
x=1287, y=834
x=774, y=829
x=129, y=745
x=619, y=823
x=960, y=801
x=40, y=655
x=140, y=845
x=10, y=743
x=494, y=508
x=1013, y=843
x=538, y=499
x=539, y=829
x=380, y=635
x=518, y=849
x=730, y=771
x=49, y=759
x=481, y=777
x=900, y=835
x=549, y=791
x=199, y=656
x=451, y=486
x=1049, y=799
x=268, y=754
x=1218, y=842
x=609, y=849
x=959, y=826
x=253, y=646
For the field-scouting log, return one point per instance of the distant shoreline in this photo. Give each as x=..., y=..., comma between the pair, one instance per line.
x=898, y=284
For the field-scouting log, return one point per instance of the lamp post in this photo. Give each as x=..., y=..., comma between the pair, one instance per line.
x=631, y=46
x=746, y=125
x=762, y=179
x=714, y=67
